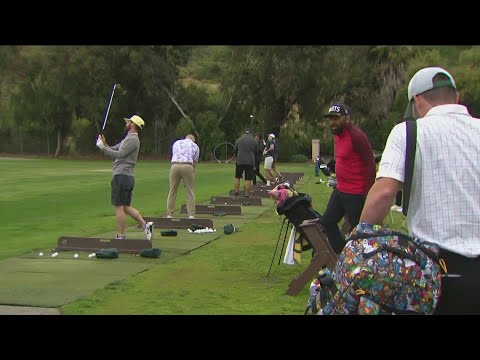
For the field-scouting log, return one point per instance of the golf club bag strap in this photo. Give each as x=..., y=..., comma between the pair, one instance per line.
x=409, y=162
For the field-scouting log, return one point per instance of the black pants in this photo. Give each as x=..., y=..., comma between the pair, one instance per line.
x=460, y=295
x=257, y=172
x=398, y=198
x=339, y=205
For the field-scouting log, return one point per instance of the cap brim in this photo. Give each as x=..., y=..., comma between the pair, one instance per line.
x=332, y=114
x=408, y=112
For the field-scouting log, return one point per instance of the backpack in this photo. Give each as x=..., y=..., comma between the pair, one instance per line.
x=381, y=271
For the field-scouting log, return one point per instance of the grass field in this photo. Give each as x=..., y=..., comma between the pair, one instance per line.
x=43, y=199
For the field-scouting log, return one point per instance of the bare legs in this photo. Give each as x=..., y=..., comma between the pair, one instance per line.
x=120, y=212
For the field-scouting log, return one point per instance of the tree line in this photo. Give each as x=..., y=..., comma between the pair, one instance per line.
x=53, y=99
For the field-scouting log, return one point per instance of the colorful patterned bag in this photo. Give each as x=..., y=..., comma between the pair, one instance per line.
x=381, y=271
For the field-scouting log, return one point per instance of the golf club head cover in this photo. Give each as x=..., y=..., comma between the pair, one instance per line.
x=151, y=253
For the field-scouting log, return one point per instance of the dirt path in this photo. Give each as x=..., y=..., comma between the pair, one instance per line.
x=27, y=310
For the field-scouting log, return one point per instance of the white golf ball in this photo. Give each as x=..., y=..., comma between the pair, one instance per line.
x=225, y=203
x=75, y=256
x=40, y=254
x=55, y=254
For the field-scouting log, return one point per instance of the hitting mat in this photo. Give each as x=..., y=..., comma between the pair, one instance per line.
x=46, y=281
x=52, y=282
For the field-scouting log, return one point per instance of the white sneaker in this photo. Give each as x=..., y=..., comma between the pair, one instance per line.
x=396, y=208
x=191, y=217
x=268, y=183
x=148, y=230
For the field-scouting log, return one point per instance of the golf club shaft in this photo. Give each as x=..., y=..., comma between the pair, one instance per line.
x=108, y=108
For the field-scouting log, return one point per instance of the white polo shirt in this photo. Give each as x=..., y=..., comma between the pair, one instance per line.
x=445, y=197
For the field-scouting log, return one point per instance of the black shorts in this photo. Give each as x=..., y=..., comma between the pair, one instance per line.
x=122, y=187
x=239, y=169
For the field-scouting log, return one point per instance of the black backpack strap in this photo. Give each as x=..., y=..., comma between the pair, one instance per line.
x=409, y=162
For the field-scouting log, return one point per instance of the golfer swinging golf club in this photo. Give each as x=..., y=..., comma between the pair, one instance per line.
x=125, y=154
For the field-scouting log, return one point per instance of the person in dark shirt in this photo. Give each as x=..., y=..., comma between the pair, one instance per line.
x=317, y=163
x=271, y=150
x=245, y=149
x=355, y=174
x=258, y=158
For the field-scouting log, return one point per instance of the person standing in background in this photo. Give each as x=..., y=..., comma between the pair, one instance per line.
x=271, y=150
x=185, y=155
x=258, y=158
x=354, y=167
x=317, y=166
x=245, y=149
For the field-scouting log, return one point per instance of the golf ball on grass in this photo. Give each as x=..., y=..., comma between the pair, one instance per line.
x=55, y=254
x=75, y=256
x=40, y=254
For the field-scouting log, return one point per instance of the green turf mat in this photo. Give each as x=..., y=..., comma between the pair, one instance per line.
x=33, y=280
x=52, y=282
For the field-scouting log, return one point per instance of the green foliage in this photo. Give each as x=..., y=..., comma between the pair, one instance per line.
x=51, y=86
x=467, y=77
x=207, y=63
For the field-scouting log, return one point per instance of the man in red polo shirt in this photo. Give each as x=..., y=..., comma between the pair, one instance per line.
x=354, y=166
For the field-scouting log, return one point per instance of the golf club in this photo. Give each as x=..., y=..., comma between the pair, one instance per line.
x=108, y=108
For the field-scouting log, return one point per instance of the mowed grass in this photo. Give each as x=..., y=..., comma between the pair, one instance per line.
x=44, y=199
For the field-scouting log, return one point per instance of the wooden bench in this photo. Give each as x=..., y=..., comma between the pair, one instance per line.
x=131, y=246
x=210, y=209
x=227, y=200
x=262, y=186
x=253, y=193
x=178, y=223
x=292, y=175
x=324, y=256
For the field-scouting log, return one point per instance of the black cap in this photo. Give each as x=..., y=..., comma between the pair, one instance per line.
x=338, y=109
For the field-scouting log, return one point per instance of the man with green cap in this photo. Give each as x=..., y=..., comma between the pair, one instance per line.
x=445, y=193
x=125, y=154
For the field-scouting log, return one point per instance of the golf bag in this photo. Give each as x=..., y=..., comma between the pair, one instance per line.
x=380, y=272
x=297, y=209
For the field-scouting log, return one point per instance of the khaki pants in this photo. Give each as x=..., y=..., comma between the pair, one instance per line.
x=177, y=173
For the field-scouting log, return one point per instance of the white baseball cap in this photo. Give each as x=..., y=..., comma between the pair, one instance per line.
x=272, y=136
x=423, y=81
